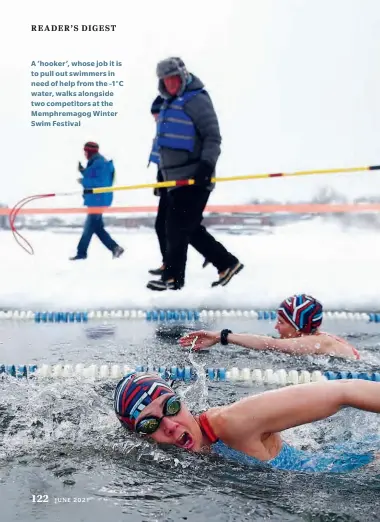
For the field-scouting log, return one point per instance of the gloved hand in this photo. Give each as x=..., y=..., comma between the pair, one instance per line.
x=80, y=167
x=157, y=192
x=204, y=174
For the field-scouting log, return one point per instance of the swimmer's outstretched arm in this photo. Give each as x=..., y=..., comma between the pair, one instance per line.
x=301, y=345
x=278, y=410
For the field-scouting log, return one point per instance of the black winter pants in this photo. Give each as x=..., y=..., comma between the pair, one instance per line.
x=160, y=224
x=184, y=215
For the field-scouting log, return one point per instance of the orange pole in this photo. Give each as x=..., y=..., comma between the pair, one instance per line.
x=297, y=208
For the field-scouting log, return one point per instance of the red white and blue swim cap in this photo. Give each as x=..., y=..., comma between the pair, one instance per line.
x=134, y=392
x=302, y=311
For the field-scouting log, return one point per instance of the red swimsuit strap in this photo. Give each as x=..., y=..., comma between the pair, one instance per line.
x=206, y=427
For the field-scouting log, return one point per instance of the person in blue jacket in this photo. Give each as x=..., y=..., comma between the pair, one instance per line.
x=189, y=145
x=98, y=173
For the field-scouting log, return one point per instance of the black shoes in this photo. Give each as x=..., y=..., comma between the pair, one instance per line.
x=160, y=285
x=226, y=276
x=160, y=271
x=117, y=252
x=157, y=271
x=170, y=284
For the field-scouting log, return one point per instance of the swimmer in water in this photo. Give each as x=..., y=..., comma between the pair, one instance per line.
x=298, y=320
x=249, y=430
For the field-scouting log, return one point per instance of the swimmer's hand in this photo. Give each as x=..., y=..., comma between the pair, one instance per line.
x=205, y=340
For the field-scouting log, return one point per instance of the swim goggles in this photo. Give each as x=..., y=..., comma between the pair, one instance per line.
x=149, y=425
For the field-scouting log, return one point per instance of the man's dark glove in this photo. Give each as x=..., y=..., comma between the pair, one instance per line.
x=204, y=174
x=80, y=167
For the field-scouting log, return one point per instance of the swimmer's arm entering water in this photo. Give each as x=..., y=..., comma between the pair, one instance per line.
x=274, y=411
x=305, y=345
x=301, y=345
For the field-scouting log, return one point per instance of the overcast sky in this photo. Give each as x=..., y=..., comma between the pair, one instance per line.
x=295, y=83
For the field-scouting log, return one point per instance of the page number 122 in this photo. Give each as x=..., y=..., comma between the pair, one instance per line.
x=40, y=498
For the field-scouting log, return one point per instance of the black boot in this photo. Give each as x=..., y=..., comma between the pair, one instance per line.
x=75, y=258
x=226, y=276
x=117, y=252
x=160, y=285
x=157, y=271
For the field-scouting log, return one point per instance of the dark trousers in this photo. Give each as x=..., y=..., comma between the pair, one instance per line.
x=184, y=215
x=160, y=224
x=94, y=225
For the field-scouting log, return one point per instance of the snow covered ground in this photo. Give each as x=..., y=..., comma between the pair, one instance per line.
x=339, y=267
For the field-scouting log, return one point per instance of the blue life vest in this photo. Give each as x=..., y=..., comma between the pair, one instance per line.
x=175, y=129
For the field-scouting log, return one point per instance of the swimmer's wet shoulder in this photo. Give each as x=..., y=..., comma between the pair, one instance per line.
x=249, y=428
x=340, y=346
x=320, y=343
x=222, y=423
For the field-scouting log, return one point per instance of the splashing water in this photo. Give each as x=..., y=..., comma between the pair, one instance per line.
x=55, y=421
x=196, y=394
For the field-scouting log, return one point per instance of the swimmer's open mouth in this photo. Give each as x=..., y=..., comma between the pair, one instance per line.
x=185, y=440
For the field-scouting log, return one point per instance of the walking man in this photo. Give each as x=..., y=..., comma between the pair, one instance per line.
x=98, y=173
x=188, y=141
x=162, y=193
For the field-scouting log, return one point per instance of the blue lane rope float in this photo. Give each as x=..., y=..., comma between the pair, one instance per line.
x=176, y=315
x=186, y=374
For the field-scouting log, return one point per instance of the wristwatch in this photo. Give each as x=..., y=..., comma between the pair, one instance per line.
x=224, y=336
